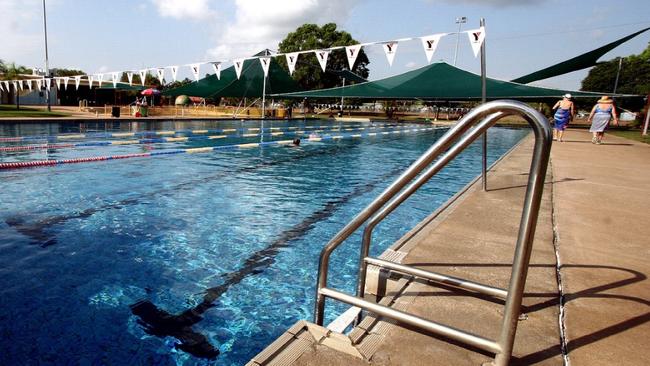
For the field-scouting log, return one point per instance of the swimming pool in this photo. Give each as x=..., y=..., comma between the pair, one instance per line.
x=191, y=259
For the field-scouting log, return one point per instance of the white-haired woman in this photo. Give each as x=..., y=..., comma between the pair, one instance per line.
x=564, y=112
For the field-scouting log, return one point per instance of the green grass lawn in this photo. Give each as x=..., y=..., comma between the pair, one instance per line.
x=632, y=135
x=10, y=111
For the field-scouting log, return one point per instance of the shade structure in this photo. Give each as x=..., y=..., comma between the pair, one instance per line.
x=120, y=86
x=436, y=81
x=580, y=62
x=250, y=83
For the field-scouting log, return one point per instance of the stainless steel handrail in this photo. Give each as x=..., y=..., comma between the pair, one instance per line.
x=488, y=114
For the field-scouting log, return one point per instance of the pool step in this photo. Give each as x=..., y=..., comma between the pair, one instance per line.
x=314, y=342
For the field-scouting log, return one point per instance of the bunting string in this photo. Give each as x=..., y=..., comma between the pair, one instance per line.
x=430, y=43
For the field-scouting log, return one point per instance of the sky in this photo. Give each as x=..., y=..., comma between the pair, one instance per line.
x=522, y=36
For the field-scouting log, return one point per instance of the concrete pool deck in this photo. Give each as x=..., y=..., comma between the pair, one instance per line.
x=591, y=219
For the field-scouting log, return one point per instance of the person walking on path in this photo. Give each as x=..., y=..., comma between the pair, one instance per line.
x=564, y=112
x=600, y=116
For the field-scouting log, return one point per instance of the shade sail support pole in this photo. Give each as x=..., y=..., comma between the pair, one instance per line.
x=483, y=100
x=264, y=98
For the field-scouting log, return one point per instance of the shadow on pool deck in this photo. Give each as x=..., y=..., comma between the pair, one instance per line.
x=595, y=225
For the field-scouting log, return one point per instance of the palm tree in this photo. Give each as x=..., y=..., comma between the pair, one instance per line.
x=13, y=72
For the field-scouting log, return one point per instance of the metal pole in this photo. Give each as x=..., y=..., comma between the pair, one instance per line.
x=264, y=98
x=647, y=117
x=618, y=73
x=47, y=70
x=342, y=97
x=483, y=100
x=460, y=22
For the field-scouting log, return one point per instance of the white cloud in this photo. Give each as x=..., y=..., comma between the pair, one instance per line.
x=410, y=64
x=21, y=37
x=184, y=9
x=261, y=24
x=490, y=3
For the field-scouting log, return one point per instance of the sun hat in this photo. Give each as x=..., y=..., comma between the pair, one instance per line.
x=605, y=99
x=567, y=95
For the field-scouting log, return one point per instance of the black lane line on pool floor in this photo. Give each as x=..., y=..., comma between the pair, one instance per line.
x=38, y=231
x=162, y=324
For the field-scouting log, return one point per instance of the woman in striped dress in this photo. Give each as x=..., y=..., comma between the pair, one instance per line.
x=600, y=116
x=563, y=115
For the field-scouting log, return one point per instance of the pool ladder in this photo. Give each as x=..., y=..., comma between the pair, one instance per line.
x=457, y=139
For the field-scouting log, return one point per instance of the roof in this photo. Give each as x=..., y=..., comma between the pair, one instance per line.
x=250, y=83
x=577, y=63
x=436, y=81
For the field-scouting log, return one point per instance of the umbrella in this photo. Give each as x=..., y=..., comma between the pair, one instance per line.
x=150, y=91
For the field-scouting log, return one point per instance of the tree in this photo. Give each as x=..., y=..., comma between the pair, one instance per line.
x=68, y=72
x=13, y=72
x=308, y=71
x=634, y=77
x=149, y=79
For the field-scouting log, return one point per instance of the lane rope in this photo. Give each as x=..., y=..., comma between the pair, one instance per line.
x=157, y=133
x=173, y=139
x=39, y=163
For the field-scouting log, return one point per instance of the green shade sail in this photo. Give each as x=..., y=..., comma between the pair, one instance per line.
x=108, y=85
x=583, y=61
x=250, y=83
x=436, y=81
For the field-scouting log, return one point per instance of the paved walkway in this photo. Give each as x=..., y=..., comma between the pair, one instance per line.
x=602, y=209
x=593, y=212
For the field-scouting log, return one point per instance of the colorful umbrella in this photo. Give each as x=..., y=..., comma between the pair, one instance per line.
x=150, y=91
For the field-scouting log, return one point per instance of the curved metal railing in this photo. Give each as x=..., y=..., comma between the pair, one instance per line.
x=444, y=150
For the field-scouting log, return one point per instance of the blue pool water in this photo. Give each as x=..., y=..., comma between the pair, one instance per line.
x=171, y=260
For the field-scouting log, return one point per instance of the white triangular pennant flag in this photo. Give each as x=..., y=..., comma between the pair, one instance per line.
x=476, y=38
x=322, y=58
x=100, y=79
x=174, y=70
x=292, y=58
x=20, y=84
x=66, y=79
x=58, y=83
x=6, y=84
x=143, y=76
x=266, y=62
x=90, y=81
x=15, y=86
x=129, y=75
x=390, y=49
x=29, y=84
x=352, y=52
x=239, y=65
x=2, y=86
x=114, y=79
x=216, y=66
x=430, y=43
x=196, y=71
x=48, y=83
x=77, y=81
x=161, y=74
x=39, y=84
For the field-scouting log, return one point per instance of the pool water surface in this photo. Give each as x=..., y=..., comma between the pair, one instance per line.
x=193, y=259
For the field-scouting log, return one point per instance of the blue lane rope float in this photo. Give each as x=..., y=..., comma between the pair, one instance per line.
x=99, y=135
x=36, y=163
x=272, y=132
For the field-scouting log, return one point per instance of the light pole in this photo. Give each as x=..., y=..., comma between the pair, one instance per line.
x=459, y=21
x=47, y=70
x=618, y=73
